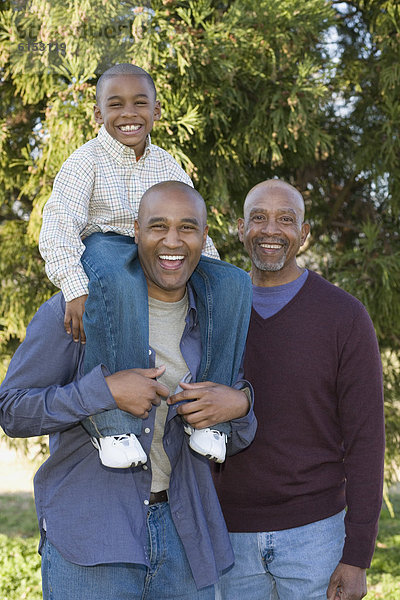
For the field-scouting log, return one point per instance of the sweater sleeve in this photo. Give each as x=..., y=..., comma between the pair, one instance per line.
x=360, y=393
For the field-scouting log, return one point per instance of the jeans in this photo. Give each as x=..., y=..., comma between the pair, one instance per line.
x=168, y=578
x=117, y=326
x=292, y=564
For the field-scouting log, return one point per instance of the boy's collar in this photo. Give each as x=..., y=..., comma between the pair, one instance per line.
x=121, y=153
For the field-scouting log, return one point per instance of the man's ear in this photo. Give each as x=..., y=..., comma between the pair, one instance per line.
x=97, y=115
x=305, y=230
x=240, y=229
x=137, y=228
x=157, y=111
x=205, y=234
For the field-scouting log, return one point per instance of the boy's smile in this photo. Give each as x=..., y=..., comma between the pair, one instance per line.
x=128, y=109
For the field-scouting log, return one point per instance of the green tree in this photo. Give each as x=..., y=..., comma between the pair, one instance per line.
x=355, y=189
x=306, y=91
x=239, y=93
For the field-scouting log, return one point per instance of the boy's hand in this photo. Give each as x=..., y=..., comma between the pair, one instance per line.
x=212, y=403
x=136, y=390
x=74, y=310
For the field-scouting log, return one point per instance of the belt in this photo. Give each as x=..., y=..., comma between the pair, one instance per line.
x=158, y=497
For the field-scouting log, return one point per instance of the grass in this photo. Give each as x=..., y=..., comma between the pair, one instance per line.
x=384, y=575
x=18, y=515
x=19, y=538
x=20, y=563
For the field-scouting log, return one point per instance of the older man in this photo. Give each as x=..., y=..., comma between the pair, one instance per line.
x=152, y=531
x=313, y=360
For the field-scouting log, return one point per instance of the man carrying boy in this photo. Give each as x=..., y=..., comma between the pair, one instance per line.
x=154, y=531
x=98, y=189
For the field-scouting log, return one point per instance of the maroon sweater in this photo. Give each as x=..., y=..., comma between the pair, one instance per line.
x=316, y=372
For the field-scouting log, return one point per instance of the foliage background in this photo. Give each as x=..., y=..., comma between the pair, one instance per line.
x=250, y=89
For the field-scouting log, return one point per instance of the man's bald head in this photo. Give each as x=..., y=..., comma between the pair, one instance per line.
x=271, y=186
x=170, y=232
x=181, y=190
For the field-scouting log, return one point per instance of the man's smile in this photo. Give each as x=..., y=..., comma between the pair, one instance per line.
x=171, y=261
x=271, y=246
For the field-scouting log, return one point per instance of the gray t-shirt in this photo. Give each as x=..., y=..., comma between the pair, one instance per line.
x=166, y=326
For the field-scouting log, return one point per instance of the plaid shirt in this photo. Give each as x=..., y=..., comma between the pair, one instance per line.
x=99, y=188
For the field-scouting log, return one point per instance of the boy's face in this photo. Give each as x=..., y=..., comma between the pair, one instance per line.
x=128, y=109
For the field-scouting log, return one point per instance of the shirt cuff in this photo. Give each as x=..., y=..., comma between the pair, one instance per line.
x=359, y=545
x=245, y=386
x=76, y=286
x=96, y=392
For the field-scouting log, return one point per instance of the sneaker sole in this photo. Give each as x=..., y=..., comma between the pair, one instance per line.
x=202, y=453
x=110, y=466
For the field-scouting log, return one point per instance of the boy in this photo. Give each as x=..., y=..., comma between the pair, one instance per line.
x=98, y=190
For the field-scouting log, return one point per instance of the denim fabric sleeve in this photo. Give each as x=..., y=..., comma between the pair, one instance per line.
x=243, y=429
x=41, y=393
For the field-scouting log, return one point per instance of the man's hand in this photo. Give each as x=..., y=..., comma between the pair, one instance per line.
x=136, y=390
x=74, y=310
x=347, y=583
x=213, y=403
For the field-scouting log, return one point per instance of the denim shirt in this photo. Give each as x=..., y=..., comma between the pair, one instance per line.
x=94, y=514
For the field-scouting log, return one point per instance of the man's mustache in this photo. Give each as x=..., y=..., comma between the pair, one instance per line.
x=264, y=240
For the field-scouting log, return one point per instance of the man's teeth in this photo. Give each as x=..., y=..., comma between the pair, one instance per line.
x=169, y=257
x=271, y=246
x=129, y=127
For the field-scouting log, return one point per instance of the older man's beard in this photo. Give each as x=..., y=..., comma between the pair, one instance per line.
x=262, y=263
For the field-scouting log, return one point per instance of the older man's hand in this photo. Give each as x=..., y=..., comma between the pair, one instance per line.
x=347, y=583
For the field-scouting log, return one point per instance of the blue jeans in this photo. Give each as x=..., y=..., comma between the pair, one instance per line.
x=117, y=325
x=293, y=564
x=168, y=578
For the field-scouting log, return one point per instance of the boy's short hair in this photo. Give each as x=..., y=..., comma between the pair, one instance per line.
x=122, y=69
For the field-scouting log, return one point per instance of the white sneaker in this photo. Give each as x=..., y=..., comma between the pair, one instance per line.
x=210, y=443
x=188, y=428
x=120, y=451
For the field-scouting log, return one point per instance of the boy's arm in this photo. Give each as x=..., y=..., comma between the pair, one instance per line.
x=65, y=216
